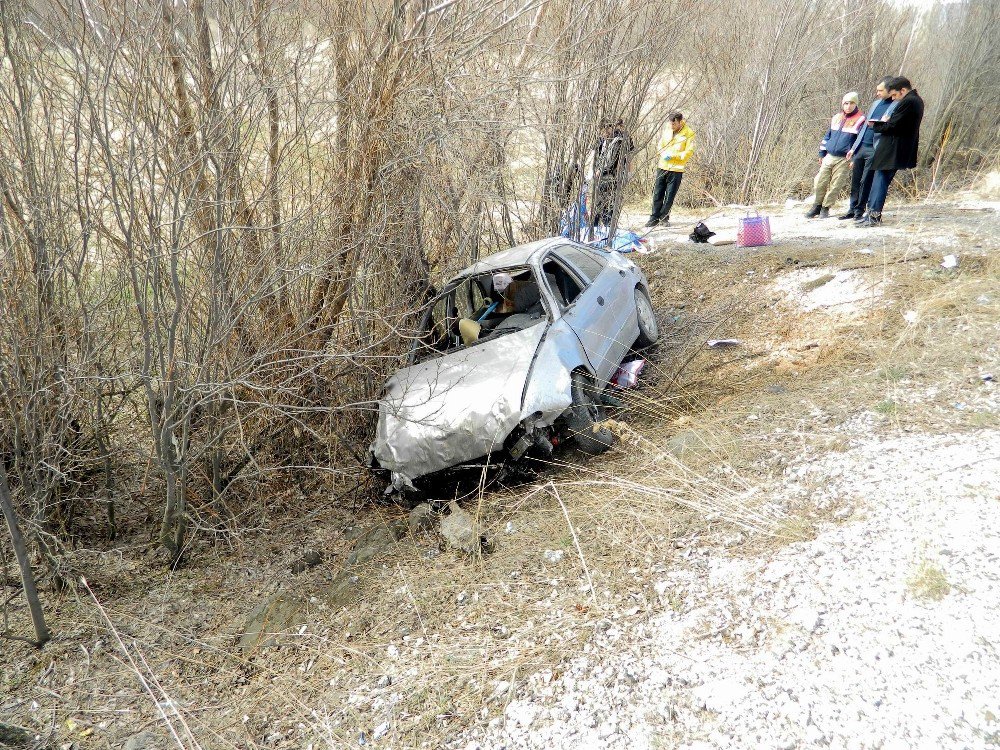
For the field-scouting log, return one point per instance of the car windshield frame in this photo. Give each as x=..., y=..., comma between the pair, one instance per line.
x=421, y=350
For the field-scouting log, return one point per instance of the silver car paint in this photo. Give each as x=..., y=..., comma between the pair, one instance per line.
x=462, y=406
x=454, y=408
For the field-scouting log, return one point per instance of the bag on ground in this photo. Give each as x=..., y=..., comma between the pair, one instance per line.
x=754, y=231
x=701, y=233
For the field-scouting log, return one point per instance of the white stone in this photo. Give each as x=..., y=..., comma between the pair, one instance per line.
x=806, y=618
x=721, y=695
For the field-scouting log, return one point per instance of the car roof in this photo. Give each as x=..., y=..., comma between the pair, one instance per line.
x=515, y=256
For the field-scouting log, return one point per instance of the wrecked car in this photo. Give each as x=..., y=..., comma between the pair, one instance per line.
x=511, y=358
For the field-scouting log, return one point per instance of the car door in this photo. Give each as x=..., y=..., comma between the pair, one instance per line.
x=597, y=316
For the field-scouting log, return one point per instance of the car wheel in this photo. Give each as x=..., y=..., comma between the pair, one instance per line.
x=585, y=416
x=649, y=330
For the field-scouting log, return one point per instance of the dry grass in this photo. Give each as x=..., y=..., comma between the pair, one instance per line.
x=928, y=582
x=438, y=642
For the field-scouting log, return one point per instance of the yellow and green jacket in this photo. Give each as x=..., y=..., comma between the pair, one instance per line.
x=675, y=148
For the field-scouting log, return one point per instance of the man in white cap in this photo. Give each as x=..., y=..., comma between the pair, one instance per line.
x=835, y=167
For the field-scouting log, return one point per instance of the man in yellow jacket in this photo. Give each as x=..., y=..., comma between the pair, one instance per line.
x=675, y=147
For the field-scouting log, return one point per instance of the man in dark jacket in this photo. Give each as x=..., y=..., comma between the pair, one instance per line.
x=897, y=144
x=861, y=152
x=610, y=170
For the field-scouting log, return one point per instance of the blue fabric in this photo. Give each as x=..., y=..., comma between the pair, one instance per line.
x=489, y=309
x=575, y=218
x=867, y=136
x=625, y=241
x=880, y=189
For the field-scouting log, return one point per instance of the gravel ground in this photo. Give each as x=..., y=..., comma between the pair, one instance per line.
x=881, y=632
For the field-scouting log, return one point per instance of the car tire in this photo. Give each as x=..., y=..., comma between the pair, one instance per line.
x=585, y=416
x=649, y=329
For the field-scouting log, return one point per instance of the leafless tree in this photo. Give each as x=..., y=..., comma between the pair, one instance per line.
x=218, y=219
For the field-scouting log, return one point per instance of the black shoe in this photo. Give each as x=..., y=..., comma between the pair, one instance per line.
x=848, y=215
x=873, y=219
x=814, y=211
x=861, y=218
x=651, y=223
x=665, y=222
x=824, y=213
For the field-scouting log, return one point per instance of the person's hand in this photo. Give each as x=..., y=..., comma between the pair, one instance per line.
x=850, y=154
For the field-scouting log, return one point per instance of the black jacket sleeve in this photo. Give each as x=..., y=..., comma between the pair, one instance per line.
x=898, y=120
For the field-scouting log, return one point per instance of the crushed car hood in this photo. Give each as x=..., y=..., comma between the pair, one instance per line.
x=455, y=408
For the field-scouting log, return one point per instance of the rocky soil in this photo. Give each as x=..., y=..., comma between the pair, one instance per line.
x=795, y=544
x=879, y=633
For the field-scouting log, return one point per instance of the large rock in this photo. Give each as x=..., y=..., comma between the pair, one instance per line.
x=687, y=443
x=16, y=737
x=147, y=741
x=279, y=613
x=376, y=540
x=460, y=530
x=286, y=610
x=310, y=559
x=421, y=518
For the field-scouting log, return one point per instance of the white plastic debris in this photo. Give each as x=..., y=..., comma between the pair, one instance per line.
x=950, y=261
x=628, y=374
x=501, y=281
x=553, y=555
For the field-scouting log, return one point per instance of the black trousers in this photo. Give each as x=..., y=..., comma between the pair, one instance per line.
x=606, y=200
x=664, y=192
x=861, y=179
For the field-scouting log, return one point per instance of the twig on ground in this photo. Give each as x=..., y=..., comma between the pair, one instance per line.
x=142, y=678
x=576, y=542
x=922, y=256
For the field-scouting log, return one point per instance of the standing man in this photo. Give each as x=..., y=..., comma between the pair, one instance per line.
x=862, y=151
x=675, y=147
x=834, y=167
x=610, y=171
x=899, y=135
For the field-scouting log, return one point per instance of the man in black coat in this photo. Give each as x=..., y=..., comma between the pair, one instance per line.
x=611, y=156
x=899, y=133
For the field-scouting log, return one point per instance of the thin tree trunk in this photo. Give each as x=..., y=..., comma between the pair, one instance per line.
x=42, y=634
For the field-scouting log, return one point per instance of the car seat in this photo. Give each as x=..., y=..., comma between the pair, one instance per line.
x=524, y=297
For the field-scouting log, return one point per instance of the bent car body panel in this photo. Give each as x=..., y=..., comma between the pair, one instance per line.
x=454, y=408
x=548, y=392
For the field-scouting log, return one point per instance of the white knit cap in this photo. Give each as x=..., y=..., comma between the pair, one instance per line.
x=852, y=96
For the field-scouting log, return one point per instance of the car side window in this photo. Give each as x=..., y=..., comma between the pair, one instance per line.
x=564, y=285
x=588, y=262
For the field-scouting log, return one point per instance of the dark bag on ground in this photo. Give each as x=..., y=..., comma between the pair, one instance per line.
x=701, y=233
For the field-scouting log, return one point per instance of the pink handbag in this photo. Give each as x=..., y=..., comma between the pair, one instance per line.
x=754, y=231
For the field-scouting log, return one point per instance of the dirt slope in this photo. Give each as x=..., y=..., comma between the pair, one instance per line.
x=792, y=545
